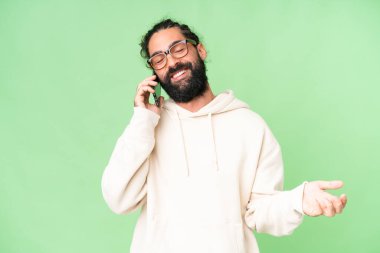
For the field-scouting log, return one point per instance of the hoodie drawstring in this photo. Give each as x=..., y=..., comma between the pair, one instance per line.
x=215, y=155
x=183, y=144
x=215, y=162
x=222, y=103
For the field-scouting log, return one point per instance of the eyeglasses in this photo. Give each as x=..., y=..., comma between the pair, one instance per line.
x=178, y=50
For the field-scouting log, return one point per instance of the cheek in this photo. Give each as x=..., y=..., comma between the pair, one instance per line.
x=161, y=75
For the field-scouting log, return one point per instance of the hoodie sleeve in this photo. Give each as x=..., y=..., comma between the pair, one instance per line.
x=270, y=209
x=124, y=178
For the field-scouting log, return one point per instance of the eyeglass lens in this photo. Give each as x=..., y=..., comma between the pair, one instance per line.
x=177, y=51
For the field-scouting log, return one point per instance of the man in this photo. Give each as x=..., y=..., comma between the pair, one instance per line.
x=206, y=170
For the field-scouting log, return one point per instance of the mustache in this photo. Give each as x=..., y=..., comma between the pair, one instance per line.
x=179, y=66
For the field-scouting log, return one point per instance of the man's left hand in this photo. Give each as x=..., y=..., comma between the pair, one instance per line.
x=316, y=201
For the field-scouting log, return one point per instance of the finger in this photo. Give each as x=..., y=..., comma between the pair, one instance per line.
x=343, y=198
x=149, y=82
x=151, y=77
x=316, y=210
x=146, y=82
x=327, y=207
x=337, y=204
x=148, y=88
x=144, y=89
x=330, y=185
x=313, y=207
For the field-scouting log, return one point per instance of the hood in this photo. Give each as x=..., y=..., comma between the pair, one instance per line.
x=222, y=103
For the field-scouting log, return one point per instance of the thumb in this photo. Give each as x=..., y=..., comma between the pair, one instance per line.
x=161, y=101
x=330, y=185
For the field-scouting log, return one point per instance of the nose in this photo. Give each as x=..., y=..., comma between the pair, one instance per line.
x=171, y=61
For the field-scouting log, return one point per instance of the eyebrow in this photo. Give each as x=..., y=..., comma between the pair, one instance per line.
x=171, y=44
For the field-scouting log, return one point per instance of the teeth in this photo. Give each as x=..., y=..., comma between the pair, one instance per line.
x=179, y=73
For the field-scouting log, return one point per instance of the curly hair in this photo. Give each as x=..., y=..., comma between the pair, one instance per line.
x=162, y=25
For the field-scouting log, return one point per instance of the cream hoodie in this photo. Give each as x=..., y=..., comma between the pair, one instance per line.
x=204, y=180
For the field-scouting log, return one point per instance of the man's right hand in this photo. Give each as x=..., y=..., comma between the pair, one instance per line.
x=143, y=92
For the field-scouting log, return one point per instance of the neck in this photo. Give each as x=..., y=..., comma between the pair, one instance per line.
x=197, y=103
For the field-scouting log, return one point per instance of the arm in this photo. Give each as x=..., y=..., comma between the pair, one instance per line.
x=271, y=210
x=124, y=178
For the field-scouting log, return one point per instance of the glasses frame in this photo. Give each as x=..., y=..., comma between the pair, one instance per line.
x=168, y=52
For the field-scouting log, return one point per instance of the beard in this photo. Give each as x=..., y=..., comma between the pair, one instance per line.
x=191, y=87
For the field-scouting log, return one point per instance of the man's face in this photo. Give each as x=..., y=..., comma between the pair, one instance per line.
x=192, y=80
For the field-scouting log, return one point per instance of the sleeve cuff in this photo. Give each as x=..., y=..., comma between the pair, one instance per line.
x=142, y=124
x=297, y=197
x=141, y=114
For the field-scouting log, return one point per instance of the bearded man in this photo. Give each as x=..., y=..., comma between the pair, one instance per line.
x=205, y=169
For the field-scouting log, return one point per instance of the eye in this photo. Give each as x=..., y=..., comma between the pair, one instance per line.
x=158, y=59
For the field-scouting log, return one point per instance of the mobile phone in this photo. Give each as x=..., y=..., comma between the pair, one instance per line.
x=157, y=94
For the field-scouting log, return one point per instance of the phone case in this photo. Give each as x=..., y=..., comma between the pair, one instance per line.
x=157, y=94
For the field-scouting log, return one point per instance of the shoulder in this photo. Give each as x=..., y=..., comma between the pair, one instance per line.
x=248, y=119
x=248, y=115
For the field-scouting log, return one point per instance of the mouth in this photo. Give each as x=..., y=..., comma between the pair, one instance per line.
x=179, y=75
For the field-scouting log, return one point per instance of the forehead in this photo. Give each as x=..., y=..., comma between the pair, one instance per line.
x=162, y=39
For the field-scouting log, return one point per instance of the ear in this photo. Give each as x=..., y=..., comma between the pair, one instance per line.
x=202, y=51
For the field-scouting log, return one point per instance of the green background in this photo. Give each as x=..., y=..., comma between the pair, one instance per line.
x=68, y=75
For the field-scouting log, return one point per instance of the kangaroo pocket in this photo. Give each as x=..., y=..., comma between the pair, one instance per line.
x=193, y=237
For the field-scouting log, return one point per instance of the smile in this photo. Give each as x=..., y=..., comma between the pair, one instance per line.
x=179, y=75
